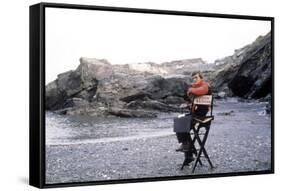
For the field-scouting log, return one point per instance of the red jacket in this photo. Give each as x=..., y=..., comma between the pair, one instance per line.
x=199, y=89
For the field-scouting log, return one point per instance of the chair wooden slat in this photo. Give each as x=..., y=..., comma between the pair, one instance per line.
x=203, y=100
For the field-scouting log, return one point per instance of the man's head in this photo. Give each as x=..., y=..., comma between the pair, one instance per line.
x=197, y=76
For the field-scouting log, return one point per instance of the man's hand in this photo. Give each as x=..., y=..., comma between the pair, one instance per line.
x=189, y=92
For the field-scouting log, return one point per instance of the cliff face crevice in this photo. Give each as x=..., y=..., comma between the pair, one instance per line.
x=254, y=73
x=248, y=75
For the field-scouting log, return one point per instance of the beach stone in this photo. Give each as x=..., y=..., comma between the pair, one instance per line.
x=222, y=95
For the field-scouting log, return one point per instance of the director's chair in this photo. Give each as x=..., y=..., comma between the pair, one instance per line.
x=199, y=132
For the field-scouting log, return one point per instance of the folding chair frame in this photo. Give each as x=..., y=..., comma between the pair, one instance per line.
x=201, y=143
x=195, y=131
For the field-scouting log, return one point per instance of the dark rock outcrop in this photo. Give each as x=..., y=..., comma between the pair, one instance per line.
x=152, y=105
x=98, y=84
x=247, y=73
x=253, y=78
x=132, y=113
x=80, y=83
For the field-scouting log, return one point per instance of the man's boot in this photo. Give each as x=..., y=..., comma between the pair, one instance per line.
x=184, y=147
x=188, y=157
x=180, y=148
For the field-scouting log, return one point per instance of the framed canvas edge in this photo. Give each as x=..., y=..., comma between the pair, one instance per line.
x=37, y=94
x=36, y=146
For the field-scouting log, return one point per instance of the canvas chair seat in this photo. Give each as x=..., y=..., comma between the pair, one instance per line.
x=205, y=120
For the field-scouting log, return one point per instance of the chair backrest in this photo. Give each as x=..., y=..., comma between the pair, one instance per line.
x=204, y=100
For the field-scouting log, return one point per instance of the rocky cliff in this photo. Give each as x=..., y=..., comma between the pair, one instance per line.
x=97, y=87
x=247, y=73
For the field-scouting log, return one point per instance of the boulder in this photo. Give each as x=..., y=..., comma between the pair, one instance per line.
x=221, y=95
x=54, y=98
x=75, y=102
x=131, y=113
x=140, y=88
x=173, y=100
x=80, y=83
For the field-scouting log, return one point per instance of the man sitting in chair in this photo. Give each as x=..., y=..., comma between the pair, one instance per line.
x=198, y=88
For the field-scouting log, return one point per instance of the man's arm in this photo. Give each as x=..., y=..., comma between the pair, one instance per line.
x=199, y=91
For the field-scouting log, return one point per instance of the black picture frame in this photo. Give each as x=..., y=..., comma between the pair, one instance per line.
x=37, y=132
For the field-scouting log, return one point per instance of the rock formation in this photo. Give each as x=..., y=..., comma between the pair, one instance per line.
x=97, y=87
x=247, y=73
x=118, y=90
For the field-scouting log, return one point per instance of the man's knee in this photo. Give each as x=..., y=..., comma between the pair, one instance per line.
x=183, y=137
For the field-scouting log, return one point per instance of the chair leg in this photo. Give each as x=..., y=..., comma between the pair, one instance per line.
x=187, y=159
x=185, y=163
x=196, y=162
x=202, y=148
x=193, y=149
x=193, y=146
x=208, y=159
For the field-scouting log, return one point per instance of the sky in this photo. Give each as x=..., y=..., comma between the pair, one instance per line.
x=133, y=37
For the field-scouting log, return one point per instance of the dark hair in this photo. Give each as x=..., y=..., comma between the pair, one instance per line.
x=197, y=72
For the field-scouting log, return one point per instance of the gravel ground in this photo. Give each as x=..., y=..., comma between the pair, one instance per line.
x=239, y=141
